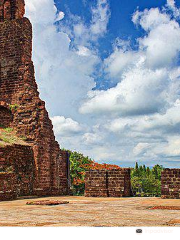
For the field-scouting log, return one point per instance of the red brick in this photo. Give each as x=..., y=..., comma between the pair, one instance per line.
x=18, y=93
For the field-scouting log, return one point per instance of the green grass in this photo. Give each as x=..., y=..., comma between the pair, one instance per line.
x=8, y=130
x=8, y=137
x=14, y=107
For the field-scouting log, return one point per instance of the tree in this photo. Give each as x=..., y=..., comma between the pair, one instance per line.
x=141, y=171
x=148, y=171
x=146, y=181
x=136, y=167
x=157, y=169
x=79, y=164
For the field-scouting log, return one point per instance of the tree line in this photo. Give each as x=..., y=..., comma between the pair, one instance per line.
x=145, y=181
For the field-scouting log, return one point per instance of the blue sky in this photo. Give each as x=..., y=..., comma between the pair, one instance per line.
x=121, y=16
x=121, y=13
x=110, y=75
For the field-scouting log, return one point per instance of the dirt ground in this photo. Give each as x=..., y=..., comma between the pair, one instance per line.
x=93, y=212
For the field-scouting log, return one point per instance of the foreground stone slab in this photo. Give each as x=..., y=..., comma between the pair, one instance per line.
x=166, y=208
x=47, y=202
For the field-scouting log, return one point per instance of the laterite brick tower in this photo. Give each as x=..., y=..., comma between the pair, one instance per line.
x=20, y=105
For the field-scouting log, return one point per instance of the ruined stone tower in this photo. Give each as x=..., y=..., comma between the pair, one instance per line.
x=20, y=105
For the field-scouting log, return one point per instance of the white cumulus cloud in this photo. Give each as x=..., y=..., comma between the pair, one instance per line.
x=135, y=120
x=65, y=126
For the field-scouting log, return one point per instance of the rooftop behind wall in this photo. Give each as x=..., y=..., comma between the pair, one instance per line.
x=108, y=183
x=170, y=183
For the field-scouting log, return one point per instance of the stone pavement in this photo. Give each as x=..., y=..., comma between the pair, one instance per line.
x=94, y=212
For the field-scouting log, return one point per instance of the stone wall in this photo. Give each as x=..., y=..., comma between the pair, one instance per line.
x=18, y=90
x=170, y=183
x=7, y=186
x=20, y=160
x=65, y=173
x=96, y=183
x=119, y=183
x=108, y=183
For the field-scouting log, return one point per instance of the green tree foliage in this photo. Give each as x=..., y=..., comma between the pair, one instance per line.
x=146, y=181
x=79, y=164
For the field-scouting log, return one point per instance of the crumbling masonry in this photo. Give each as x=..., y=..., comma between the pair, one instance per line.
x=23, y=110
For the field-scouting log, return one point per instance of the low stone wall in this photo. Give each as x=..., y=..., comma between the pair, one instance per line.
x=108, y=183
x=20, y=160
x=7, y=186
x=119, y=183
x=170, y=183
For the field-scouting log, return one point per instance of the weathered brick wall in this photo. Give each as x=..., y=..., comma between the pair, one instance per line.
x=119, y=183
x=65, y=173
x=7, y=186
x=127, y=180
x=170, y=183
x=20, y=160
x=18, y=88
x=108, y=183
x=96, y=183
